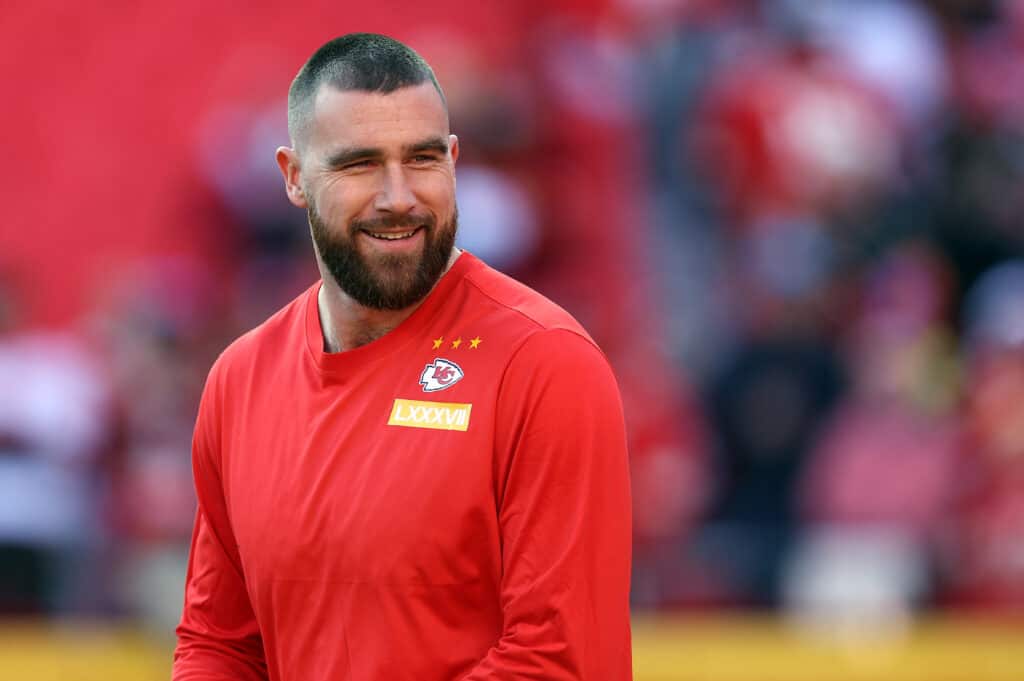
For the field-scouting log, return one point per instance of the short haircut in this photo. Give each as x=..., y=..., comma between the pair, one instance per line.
x=368, y=62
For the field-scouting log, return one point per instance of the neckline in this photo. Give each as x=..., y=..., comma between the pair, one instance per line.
x=332, y=362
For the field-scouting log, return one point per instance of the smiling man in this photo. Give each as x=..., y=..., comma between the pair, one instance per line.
x=417, y=469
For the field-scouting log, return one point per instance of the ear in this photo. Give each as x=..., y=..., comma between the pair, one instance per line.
x=453, y=148
x=288, y=162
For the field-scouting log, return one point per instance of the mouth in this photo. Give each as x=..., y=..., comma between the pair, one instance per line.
x=392, y=235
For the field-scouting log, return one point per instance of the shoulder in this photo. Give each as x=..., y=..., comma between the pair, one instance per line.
x=541, y=342
x=560, y=360
x=521, y=311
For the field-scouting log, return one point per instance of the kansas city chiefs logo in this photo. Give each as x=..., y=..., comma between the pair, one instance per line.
x=440, y=375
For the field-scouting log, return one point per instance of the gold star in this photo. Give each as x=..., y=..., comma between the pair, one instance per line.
x=456, y=343
x=437, y=342
x=474, y=343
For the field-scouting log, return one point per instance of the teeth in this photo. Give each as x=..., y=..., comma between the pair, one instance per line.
x=392, y=237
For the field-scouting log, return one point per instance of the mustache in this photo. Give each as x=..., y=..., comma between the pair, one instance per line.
x=393, y=221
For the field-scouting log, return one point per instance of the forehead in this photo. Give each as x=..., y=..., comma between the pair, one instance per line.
x=374, y=119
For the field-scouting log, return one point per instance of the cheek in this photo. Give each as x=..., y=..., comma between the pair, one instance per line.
x=338, y=205
x=438, y=193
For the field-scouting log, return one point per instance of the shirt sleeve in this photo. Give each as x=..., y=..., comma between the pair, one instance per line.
x=564, y=515
x=218, y=637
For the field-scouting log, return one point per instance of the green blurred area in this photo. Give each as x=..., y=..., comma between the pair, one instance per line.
x=696, y=648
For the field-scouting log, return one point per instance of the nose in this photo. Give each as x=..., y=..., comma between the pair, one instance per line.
x=395, y=194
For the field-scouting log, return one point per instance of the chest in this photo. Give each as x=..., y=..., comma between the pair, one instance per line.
x=387, y=477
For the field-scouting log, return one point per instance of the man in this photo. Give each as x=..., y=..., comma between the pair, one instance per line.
x=417, y=469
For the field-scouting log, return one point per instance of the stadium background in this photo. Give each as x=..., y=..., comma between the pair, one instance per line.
x=795, y=227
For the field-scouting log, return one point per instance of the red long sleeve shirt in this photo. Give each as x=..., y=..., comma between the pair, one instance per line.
x=447, y=503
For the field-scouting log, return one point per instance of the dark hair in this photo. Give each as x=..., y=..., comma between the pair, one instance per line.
x=369, y=62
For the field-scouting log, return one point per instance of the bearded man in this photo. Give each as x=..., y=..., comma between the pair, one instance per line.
x=417, y=469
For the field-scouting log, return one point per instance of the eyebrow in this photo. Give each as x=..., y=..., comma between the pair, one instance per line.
x=435, y=144
x=344, y=156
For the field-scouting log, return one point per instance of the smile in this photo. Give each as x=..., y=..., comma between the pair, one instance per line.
x=392, y=236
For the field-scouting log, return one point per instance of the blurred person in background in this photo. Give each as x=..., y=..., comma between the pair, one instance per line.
x=768, y=404
x=161, y=321
x=56, y=426
x=977, y=185
x=984, y=563
x=876, y=495
x=330, y=542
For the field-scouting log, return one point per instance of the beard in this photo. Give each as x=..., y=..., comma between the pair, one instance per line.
x=384, y=282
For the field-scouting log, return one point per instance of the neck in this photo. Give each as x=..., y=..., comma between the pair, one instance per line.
x=346, y=324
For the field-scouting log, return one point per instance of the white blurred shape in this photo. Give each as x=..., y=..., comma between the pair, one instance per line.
x=895, y=46
x=854, y=584
x=51, y=396
x=52, y=416
x=995, y=306
x=496, y=217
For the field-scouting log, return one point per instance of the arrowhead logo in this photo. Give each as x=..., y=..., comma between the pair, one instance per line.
x=439, y=375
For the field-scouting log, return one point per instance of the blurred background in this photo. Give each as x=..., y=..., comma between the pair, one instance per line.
x=795, y=227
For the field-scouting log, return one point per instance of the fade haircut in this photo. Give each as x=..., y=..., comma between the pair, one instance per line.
x=367, y=62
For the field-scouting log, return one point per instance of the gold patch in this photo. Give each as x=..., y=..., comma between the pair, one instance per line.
x=434, y=415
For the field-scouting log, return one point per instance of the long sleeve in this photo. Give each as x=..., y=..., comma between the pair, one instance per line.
x=218, y=637
x=564, y=517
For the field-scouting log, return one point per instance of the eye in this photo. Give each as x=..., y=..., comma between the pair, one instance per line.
x=424, y=158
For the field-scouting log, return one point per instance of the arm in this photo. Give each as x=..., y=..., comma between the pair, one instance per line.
x=564, y=515
x=218, y=638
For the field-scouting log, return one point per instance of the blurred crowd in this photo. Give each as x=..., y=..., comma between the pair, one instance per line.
x=796, y=228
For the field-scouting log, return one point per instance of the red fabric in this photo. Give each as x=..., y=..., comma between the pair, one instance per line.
x=331, y=545
x=989, y=515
